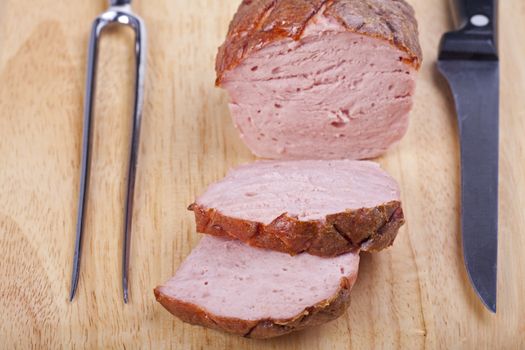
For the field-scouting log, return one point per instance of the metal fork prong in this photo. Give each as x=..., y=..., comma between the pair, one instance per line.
x=119, y=12
x=98, y=24
x=140, y=58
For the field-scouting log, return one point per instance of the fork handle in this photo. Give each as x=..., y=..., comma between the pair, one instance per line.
x=119, y=2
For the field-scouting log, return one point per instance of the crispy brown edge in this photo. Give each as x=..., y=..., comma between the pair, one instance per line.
x=368, y=229
x=319, y=313
x=259, y=23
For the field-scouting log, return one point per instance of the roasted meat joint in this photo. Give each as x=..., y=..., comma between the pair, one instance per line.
x=315, y=89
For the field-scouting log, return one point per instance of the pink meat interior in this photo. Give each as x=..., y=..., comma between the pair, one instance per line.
x=230, y=279
x=306, y=189
x=332, y=94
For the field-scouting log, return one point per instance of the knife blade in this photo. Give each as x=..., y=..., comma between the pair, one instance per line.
x=468, y=59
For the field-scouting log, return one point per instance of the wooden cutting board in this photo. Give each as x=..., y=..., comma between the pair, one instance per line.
x=413, y=295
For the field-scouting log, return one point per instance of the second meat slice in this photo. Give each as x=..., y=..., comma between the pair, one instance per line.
x=257, y=293
x=321, y=207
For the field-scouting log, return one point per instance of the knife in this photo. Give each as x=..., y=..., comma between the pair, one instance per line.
x=468, y=59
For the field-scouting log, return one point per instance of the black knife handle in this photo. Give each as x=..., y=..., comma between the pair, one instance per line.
x=476, y=34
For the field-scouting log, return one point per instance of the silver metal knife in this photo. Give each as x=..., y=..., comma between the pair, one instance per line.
x=468, y=59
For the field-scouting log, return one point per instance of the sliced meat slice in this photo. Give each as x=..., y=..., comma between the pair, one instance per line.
x=320, y=79
x=323, y=207
x=258, y=293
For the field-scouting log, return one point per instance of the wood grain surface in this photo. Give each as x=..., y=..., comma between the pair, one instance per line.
x=413, y=295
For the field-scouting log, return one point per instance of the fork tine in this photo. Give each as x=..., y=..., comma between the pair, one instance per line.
x=86, y=150
x=119, y=12
x=140, y=57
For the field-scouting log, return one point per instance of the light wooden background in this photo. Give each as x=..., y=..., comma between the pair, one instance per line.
x=414, y=295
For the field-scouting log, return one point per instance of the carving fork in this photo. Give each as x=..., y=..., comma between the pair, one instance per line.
x=119, y=12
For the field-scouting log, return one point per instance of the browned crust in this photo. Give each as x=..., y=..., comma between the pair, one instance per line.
x=260, y=22
x=319, y=313
x=369, y=229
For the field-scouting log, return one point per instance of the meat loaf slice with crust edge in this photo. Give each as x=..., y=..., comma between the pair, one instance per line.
x=320, y=79
x=257, y=293
x=322, y=207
